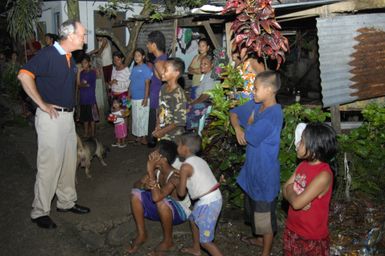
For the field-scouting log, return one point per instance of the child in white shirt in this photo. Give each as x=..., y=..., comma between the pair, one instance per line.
x=197, y=179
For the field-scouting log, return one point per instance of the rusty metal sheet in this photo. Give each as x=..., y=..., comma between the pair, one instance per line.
x=369, y=64
x=352, y=57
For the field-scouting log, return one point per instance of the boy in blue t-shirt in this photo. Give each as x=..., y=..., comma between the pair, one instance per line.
x=258, y=125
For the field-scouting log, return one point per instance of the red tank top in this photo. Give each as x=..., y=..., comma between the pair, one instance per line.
x=313, y=223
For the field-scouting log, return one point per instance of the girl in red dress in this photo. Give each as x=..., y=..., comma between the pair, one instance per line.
x=309, y=191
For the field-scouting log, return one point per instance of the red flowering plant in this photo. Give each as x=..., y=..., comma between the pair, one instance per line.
x=256, y=30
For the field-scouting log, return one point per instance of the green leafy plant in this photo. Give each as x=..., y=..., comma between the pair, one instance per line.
x=365, y=148
x=113, y=7
x=220, y=146
x=12, y=84
x=21, y=18
x=294, y=114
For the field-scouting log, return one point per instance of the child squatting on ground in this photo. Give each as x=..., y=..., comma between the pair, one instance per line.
x=308, y=191
x=154, y=197
x=258, y=125
x=197, y=179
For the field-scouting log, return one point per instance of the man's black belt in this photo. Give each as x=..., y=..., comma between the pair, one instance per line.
x=64, y=109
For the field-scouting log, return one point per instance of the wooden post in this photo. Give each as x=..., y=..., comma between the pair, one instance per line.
x=229, y=33
x=173, y=52
x=209, y=30
x=336, y=118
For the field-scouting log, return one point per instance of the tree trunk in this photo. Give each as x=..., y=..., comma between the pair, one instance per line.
x=134, y=30
x=73, y=10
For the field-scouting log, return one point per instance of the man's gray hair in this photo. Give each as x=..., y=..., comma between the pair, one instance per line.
x=66, y=28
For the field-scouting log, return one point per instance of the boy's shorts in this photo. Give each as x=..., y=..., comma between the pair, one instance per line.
x=296, y=245
x=151, y=211
x=205, y=216
x=261, y=215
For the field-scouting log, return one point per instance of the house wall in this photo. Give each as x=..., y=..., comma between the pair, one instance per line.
x=57, y=10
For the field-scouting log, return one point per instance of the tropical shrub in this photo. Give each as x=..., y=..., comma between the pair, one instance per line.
x=12, y=86
x=365, y=149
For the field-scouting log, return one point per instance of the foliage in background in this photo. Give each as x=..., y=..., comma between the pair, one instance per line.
x=293, y=115
x=256, y=30
x=22, y=16
x=365, y=147
x=11, y=84
x=73, y=9
x=113, y=7
x=149, y=12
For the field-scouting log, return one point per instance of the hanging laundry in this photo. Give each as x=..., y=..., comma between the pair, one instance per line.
x=184, y=38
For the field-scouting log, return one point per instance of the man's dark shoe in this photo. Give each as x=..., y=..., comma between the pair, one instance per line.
x=44, y=222
x=75, y=209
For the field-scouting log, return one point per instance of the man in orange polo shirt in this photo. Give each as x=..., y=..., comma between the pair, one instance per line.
x=49, y=80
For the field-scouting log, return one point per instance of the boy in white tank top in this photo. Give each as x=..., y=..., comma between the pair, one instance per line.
x=197, y=179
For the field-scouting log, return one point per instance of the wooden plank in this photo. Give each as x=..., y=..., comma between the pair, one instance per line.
x=229, y=33
x=174, y=38
x=344, y=6
x=209, y=30
x=336, y=118
x=187, y=22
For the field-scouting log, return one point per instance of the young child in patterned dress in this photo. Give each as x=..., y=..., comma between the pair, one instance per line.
x=119, y=123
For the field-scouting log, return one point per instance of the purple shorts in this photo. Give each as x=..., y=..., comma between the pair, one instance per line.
x=151, y=211
x=205, y=216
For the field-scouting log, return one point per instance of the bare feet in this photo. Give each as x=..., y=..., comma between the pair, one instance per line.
x=162, y=249
x=191, y=250
x=143, y=141
x=254, y=241
x=135, y=244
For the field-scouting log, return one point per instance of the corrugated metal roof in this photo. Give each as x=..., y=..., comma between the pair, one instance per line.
x=339, y=41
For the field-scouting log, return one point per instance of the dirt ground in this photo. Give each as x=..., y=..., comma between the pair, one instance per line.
x=109, y=227
x=357, y=228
